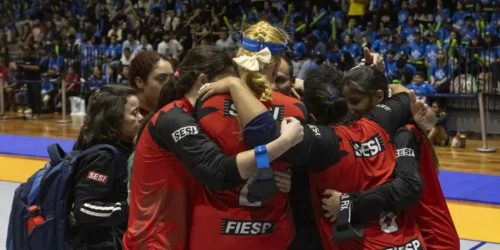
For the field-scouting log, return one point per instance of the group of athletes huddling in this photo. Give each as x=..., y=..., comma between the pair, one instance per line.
x=200, y=178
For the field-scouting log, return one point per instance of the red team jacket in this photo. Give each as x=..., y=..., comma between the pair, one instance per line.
x=368, y=160
x=227, y=220
x=432, y=214
x=162, y=195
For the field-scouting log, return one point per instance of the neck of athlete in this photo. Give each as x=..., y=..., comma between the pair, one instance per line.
x=145, y=104
x=192, y=95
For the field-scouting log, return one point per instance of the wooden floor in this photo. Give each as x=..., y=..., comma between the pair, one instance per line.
x=46, y=126
x=466, y=160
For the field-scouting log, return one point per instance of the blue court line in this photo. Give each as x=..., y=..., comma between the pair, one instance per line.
x=477, y=246
x=30, y=145
x=469, y=187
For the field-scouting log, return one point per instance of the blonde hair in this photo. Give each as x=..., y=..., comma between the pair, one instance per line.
x=257, y=81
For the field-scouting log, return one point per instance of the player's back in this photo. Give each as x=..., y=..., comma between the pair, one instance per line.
x=431, y=212
x=368, y=160
x=227, y=218
x=162, y=195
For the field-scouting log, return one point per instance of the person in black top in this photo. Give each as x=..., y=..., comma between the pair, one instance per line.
x=100, y=208
x=30, y=73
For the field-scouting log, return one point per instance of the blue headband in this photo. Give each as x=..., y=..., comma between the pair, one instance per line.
x=256, y=46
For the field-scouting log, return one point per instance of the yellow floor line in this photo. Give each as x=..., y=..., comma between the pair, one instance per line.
x=476, y=221
x=18, y=169
x=473, y=221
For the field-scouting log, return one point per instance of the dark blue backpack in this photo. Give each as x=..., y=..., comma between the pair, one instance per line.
x=40, y=208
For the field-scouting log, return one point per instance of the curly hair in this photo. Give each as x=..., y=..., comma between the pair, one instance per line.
x=105, y=113
x=257, y=81
x=143, y=63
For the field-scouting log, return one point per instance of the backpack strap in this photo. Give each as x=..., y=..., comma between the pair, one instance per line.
x=35, y=187
x=56, y=154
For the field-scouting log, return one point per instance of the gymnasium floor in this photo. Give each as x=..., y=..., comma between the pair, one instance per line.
x=477, y=219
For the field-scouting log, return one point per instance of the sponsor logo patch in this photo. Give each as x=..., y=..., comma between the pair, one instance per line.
x=229, y=108
x=95, y=176
x=183, y=132
x=383, y=106
x=315, y=130
x=414, y=244
x=405, y=152
x=239, y=227
x=278, y=111
x=344, y=202
x=368, y=148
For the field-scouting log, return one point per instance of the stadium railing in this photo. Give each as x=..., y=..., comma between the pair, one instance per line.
x=472, y=86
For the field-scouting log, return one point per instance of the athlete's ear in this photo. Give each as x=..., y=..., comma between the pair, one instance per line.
x=202, y=79
x=379, y=96
x=139, y=83
x=275, y=70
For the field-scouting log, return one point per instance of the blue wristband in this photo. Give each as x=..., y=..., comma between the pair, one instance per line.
x=261, y=156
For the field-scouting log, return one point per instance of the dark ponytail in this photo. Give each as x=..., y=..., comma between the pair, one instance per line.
x=322, y=95
x=204, y=59
x=366, y=80
x=176, y=88
x=208, y=60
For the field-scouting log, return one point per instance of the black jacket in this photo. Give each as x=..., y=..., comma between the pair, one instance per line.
x=100, y=207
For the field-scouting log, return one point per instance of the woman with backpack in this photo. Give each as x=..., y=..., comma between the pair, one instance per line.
x=99, y=211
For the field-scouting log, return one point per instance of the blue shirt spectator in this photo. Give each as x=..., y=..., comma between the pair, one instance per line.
x=114, y=50
x=403, y=13
x=391, y=71
x=431, y=49
x=441, y=15
x=443, y=33
x=299, y=50
x=491, y=28
x=353, y=48
x=409, y=30
x=489, y=55
x=375, y=5
x=382, y=45
x=440, y=71
x=421, y=87
x=405, y=72
x=399, y=47
x=47, y=86
x=469, y=31
x=96, y=80
x=417, y=47
x=334, y=53
x=56, y=62
x=458, y=17
x=370, y=34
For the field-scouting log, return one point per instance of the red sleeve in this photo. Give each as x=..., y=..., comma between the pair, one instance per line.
x=218, y=119
x=286, y=106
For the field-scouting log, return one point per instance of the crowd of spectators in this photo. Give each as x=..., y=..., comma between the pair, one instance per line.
x=424, y=42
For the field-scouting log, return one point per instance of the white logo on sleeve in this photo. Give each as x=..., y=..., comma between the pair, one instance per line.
x=368, y=148
x=383, y=106
x=315, y=130
x=405, y=152
x=183, y=132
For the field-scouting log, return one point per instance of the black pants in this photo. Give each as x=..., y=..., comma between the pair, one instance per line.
x=306, y=232
x=35, y=97
x=495, y=75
